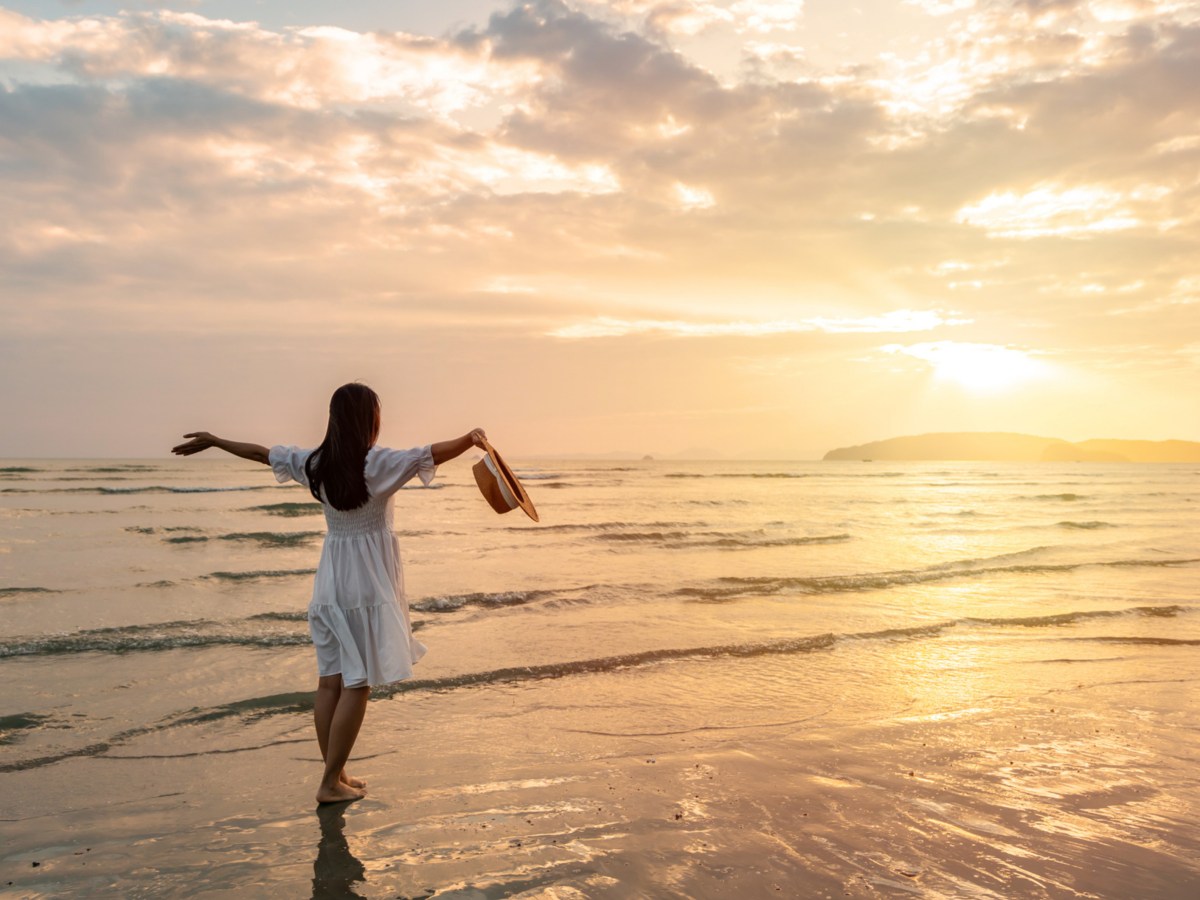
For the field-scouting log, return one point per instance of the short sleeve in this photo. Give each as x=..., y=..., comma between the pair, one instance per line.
x=288, y=463
x=390, y=470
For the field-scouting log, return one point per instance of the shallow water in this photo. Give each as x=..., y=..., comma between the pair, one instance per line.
x=804, y=632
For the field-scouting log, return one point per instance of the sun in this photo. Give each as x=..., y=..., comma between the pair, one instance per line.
x=982, y=368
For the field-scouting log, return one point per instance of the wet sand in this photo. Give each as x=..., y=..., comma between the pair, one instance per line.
x=1069, y=790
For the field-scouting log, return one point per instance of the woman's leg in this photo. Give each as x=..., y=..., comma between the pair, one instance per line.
x=329, y=690
x=344, y=724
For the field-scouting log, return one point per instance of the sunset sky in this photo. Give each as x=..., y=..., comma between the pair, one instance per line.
x=750, y=228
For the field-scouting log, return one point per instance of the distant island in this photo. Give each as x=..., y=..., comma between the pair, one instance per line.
x=1007, y=447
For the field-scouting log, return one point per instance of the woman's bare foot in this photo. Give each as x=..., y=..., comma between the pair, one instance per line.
x=341, y=793
x=352, y=781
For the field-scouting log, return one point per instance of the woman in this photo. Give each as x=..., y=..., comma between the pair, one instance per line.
x=359, y=615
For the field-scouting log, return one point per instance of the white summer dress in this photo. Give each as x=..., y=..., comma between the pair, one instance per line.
x=358, y=616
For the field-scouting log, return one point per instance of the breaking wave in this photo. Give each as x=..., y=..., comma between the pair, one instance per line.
x=603, y=526
x=288, y=510
x=161, y=636
x=259, y=574
x=452, y=602
x=731, y=587
x=745, y=540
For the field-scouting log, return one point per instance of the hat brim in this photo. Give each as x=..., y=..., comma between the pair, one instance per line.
x=505, y=479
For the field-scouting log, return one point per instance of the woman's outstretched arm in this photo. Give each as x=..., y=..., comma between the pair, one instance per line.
x=202, y=440
x=446, y=450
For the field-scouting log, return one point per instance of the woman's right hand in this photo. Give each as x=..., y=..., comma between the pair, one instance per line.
x=478, y=438
x=200, y=440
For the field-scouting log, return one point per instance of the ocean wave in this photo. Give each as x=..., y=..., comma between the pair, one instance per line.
x=742, y=475
x=275, y=538
x=738, y=540
x=92, y=478
x=18, y=470
x=604, y=526
x=642, y=536
x=1068, y=497
x=1133, y=639
x=972, y=562
x=288, y=510
x=285, y=616
x=172, y=642
x=538, y=476
x=146, y=529
x=235, y=577
x=259, y=574
x=14, y=591
x=301, y=616
x=156, y=637
x=731, y=587
x=1086, y=526
x=452, y=602
x=266, y=539
x=762, y=475
x=734, y=543
x=790, y=475
x=130, y=467
x=1071, y=618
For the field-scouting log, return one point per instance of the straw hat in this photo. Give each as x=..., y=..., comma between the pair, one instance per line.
x=500, y=486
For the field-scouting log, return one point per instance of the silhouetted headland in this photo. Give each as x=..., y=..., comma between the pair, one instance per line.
x=1008, y=447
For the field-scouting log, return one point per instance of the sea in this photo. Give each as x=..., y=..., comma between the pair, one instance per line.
x=155, y=609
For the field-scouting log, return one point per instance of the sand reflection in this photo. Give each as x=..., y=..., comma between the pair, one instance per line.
x=336, y=869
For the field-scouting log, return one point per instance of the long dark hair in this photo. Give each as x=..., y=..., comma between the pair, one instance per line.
x=337, y=465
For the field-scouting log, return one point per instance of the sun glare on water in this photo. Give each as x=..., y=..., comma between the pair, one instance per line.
x=977, y=367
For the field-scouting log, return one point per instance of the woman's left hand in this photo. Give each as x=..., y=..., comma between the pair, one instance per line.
x=478, y=437
x=200, y=440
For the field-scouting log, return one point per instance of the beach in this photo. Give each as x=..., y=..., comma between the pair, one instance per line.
x=693, y=679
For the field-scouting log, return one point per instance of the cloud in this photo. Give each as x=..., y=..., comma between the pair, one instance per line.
x=1049, y=211
x=765, y=16
x=900, y=320
x=685, y=17
x=309, y=67
x=940, y=7
x=693, y=197
x=327, y=176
